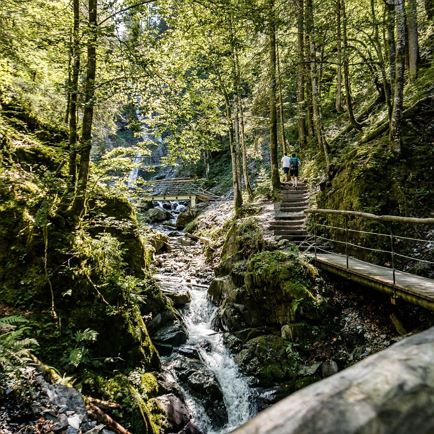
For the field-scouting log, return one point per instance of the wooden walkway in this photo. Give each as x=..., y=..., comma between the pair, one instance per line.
x=414, y=289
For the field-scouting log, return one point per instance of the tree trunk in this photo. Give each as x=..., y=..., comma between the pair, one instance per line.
x=247, y=184
x=301, y=75
x=316, y=104
x=395, y=123
x=347, y=69
x=307, y=63
x=429, y=9
x=73, y=92
x=338, y=102
x=391, y=42
x=275, y=180
x=281, y=113
x=381, y=60
x=240, y=117
x=238, y=199
x=413, y=39
x=89, y=103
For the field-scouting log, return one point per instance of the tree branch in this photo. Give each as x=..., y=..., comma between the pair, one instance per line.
x=121, y=11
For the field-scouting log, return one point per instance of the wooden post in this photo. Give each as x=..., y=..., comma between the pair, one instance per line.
x=392, y=253
x=346, y=239
x=193, y=202
x=314, y=234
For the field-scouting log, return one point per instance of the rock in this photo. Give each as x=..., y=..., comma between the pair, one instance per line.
x=391, y=392
x=75, y=421
x=189, y=352
x=190, y=428
x=203, y=385
x=329, y=368
x=268, y=359
x=180, y=298
x=61, y=423
x=176, y=411
x=185, y=217
x=173, y=334
x=156, y=215
x=221, y=288
x=95, y=430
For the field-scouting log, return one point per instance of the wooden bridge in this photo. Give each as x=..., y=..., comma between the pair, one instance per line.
x=176, y=189
x=335, y=249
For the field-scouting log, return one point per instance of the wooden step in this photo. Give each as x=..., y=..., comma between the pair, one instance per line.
x=293, y=238
x=294, y=203
x=289, y=216
x=295, y=197
x=292, y=208
x=298, y=189
x=286, y=223
x=286, y=231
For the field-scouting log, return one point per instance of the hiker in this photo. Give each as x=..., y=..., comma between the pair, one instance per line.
x=285, y=166
x=294, y=163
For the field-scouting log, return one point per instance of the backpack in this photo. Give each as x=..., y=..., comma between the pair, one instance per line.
x=293, y=163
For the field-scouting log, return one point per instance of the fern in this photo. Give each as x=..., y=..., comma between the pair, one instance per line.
x=15, y=346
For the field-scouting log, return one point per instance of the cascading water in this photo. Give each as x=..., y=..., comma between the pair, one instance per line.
x=134, y=173
x=236, y=392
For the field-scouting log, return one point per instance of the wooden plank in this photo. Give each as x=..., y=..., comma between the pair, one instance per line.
x=167, y=197
x=415, y=289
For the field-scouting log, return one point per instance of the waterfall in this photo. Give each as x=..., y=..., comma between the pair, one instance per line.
x=132, y=177
x=237, y=395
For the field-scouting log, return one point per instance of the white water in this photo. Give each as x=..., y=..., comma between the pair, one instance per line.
x=134, y=172
x=236, y=392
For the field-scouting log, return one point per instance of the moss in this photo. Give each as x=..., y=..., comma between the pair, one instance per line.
x=244, y=238
x=269, y=358
x=191, y=226
x=136, y=413
x=148, y=384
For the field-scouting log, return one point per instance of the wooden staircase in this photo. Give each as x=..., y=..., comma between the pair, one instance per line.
x=289, y=219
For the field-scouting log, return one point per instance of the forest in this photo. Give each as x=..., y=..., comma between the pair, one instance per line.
x=165, y=267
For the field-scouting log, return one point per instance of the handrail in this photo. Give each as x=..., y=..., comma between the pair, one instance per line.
x=386, y=218
x=347, y=230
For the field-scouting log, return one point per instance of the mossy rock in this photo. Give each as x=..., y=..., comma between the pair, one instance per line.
x=244, y=238
x=268, y=358
x=134, y=413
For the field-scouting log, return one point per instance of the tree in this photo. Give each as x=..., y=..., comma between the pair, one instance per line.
x=89, y=104
x=73, y=92
x=398, y=93
x=301, y=103
x=413, y=38
x=275, y=179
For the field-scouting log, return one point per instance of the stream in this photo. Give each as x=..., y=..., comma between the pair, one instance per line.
x=203, y=358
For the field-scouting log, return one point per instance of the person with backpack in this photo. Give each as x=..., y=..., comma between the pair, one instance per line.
x=285, y=166
x=294, y=164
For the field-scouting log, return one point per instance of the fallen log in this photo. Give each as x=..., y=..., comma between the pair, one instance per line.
x=107, y=420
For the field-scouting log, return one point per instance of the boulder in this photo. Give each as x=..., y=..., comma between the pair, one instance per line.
x=176, y=411
x=180, y=298
x=268, y=359
x=220, y=289
x=156, y=215
x=172, y=335
x=203, y=384
x=391, y=392
x=185, y=217
x=271, y=288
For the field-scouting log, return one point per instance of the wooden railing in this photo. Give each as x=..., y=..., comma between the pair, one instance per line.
x=346, y=244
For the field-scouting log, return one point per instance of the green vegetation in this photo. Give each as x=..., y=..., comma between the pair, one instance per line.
x=89, y=89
